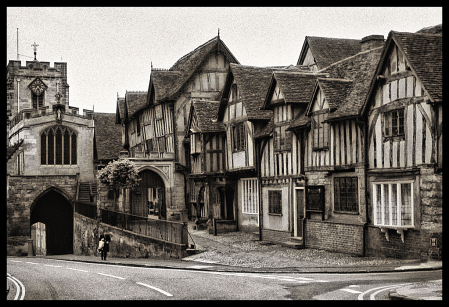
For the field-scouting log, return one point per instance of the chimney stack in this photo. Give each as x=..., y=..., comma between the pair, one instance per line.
x=371, y=41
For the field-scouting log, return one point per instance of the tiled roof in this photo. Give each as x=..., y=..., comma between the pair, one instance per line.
x=297, y=87
x=335, y=90
x=265, y=130
x=120, y=111
x=108, y=136
x=167, y=83
x=328, y=50
x=425, y=55
x=300, y=121
x=438, y=29
x=252, y=83
x=206, y=112
x=360, y=69
x=135, y=101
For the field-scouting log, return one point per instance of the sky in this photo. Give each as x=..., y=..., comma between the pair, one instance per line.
x=109, y=50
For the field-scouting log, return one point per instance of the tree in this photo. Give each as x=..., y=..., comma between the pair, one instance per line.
x=119, y=174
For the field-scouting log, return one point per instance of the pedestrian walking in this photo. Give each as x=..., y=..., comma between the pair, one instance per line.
x=107, y=240
x=101, y=245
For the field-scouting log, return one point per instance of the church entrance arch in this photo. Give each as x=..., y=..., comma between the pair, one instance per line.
x=55, y=211
x=148, y=198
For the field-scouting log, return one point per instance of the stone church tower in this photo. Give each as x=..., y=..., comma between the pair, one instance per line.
x=50, y=152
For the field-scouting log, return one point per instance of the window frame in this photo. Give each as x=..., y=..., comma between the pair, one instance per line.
x=320, y=129
x=57, y=148
x=338, y=205
x=275, y=202
x=392, y=201
x=238, y=137
x=389, y=124
x=249, y=188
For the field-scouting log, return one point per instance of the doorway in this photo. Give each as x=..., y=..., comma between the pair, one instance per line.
x=148, y=198
x=56, y=212
x=298, y=214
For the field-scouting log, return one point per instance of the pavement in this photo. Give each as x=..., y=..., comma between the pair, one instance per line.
x=243, y=252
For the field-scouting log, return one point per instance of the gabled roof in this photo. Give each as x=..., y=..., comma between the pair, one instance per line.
x=252, y=83
x=297, y=87
x=206, y=113
x=424, y=53
x=334, y=90
x=134, y=101
x=328, y=50
x=120, y=110
x=360, y=69
x=166, y=84
x=108, y=136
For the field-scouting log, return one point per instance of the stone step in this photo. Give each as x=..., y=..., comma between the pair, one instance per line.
x=292, y=244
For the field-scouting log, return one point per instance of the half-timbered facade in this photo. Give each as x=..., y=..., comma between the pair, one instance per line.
x=207, y=197
x=334, y=160
x=282, y=155
x=154, y=127
x=404, y=140
x=243, y=96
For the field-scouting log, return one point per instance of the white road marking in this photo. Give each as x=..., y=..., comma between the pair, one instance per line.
x=111, y=276
x=154, y=288
x=20, y=288
x=31, y=262
x=76, y=270
x=199, y=266
x=361, y=295
x=355, y=286
x=16, y=285
x=55, y=266
x=15, y=260
x=351, y=291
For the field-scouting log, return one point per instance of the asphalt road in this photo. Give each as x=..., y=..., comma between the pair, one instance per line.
x=50, y=279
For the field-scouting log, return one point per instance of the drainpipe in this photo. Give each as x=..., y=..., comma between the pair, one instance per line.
x=365, y=168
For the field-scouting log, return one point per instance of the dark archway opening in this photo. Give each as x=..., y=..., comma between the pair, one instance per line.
x=56, y=212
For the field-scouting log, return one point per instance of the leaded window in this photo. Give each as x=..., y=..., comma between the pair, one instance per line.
x=275, y=202
x=58, y=146
x=345, y=194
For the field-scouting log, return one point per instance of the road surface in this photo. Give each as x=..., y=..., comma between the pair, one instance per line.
x=50, y=279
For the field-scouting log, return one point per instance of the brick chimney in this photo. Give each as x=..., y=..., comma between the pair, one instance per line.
x=372, y=41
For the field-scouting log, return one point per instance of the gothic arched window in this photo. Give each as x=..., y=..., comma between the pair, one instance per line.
x=58, y=146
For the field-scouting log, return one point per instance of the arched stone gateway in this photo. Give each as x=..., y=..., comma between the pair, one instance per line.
x=54, y=210
x=149, y=198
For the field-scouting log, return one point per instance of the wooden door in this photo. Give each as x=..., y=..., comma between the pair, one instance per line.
x=299, y=216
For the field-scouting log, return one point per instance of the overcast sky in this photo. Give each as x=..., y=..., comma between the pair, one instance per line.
x=108, y=50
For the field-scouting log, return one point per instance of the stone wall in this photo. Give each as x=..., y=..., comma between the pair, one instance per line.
x=124, y=244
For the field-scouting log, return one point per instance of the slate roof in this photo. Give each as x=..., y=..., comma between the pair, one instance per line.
x=265, y=131
x=424, y=53
x=297, y=87
x=206, y=112
x=167, y=83
x=108, y=136
x=360, y=69
x=327, y=50
x=135, y=101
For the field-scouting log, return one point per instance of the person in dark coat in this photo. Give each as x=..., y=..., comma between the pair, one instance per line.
x=104, y=253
